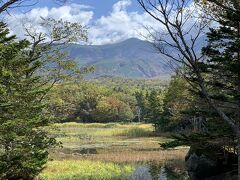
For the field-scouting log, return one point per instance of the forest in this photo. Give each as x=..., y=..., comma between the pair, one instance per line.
x=57, y=122
x=105, y=100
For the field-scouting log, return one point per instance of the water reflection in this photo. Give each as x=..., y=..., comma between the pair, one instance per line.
x=154, y=171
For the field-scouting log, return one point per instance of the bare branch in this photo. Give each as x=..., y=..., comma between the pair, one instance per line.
x=173, y=15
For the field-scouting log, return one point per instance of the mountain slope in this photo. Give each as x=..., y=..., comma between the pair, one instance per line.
x=132, y=58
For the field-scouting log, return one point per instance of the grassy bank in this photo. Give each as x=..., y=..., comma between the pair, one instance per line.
x=94, y=170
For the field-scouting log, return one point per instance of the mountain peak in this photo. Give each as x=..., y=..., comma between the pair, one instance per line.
x=131, y=58
x=133, y=40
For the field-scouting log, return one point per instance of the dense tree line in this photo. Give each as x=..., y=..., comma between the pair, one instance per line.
x=91, y=101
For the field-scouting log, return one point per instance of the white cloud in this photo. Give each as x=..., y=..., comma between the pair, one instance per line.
x=118, y=25
x=121, y=5
x=71, y=13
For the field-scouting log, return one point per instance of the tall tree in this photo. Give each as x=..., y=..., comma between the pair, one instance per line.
x=183, y=34
x=154, y=106
x=223, y=64
x=140, y=97
x=27, y=72
x=23, y=143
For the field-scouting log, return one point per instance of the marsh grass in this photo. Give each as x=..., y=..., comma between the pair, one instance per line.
x=86, y=170
x=101, y=125
x=136, y=132
x=101, y=130
x=105, y=151
x=131, y=156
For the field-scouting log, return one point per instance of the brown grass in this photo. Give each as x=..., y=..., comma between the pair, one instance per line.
x=112, y=143
x=129, y=156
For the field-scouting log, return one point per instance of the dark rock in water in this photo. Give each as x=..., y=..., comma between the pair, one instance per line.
x=88, y=151
x=79, y=151
x=210, y=162
x=225, y=176
x=198, y=166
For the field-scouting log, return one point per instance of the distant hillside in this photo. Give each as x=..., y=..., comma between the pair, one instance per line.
x=131, y=84
x=132, y=58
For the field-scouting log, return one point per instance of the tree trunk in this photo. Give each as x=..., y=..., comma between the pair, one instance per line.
x=238, y=109
x=238, y=154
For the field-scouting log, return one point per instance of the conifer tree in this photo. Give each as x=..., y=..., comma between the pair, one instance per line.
x=223, y=61
x=223, y=64
x=184, y=40
x=140, y=98
x=27, y=72
x=23, y=143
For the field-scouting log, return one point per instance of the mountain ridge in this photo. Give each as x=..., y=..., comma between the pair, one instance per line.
x=131, y=58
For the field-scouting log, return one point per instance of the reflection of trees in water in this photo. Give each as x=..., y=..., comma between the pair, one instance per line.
x=157, y=171
x=141, y=173
x=172, y=175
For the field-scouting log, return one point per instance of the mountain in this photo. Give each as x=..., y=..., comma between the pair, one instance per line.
x=132, y=58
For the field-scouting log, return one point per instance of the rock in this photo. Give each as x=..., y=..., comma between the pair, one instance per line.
x=79, y=151
x=88, y=151
x=210, y=163
x=199, y=167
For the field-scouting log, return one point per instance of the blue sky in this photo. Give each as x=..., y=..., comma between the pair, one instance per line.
x=108, y=21
x=100, y=7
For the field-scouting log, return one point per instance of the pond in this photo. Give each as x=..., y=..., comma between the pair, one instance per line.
x=154, y=171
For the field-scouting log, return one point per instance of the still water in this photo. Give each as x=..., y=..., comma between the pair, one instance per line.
x=153, y=171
